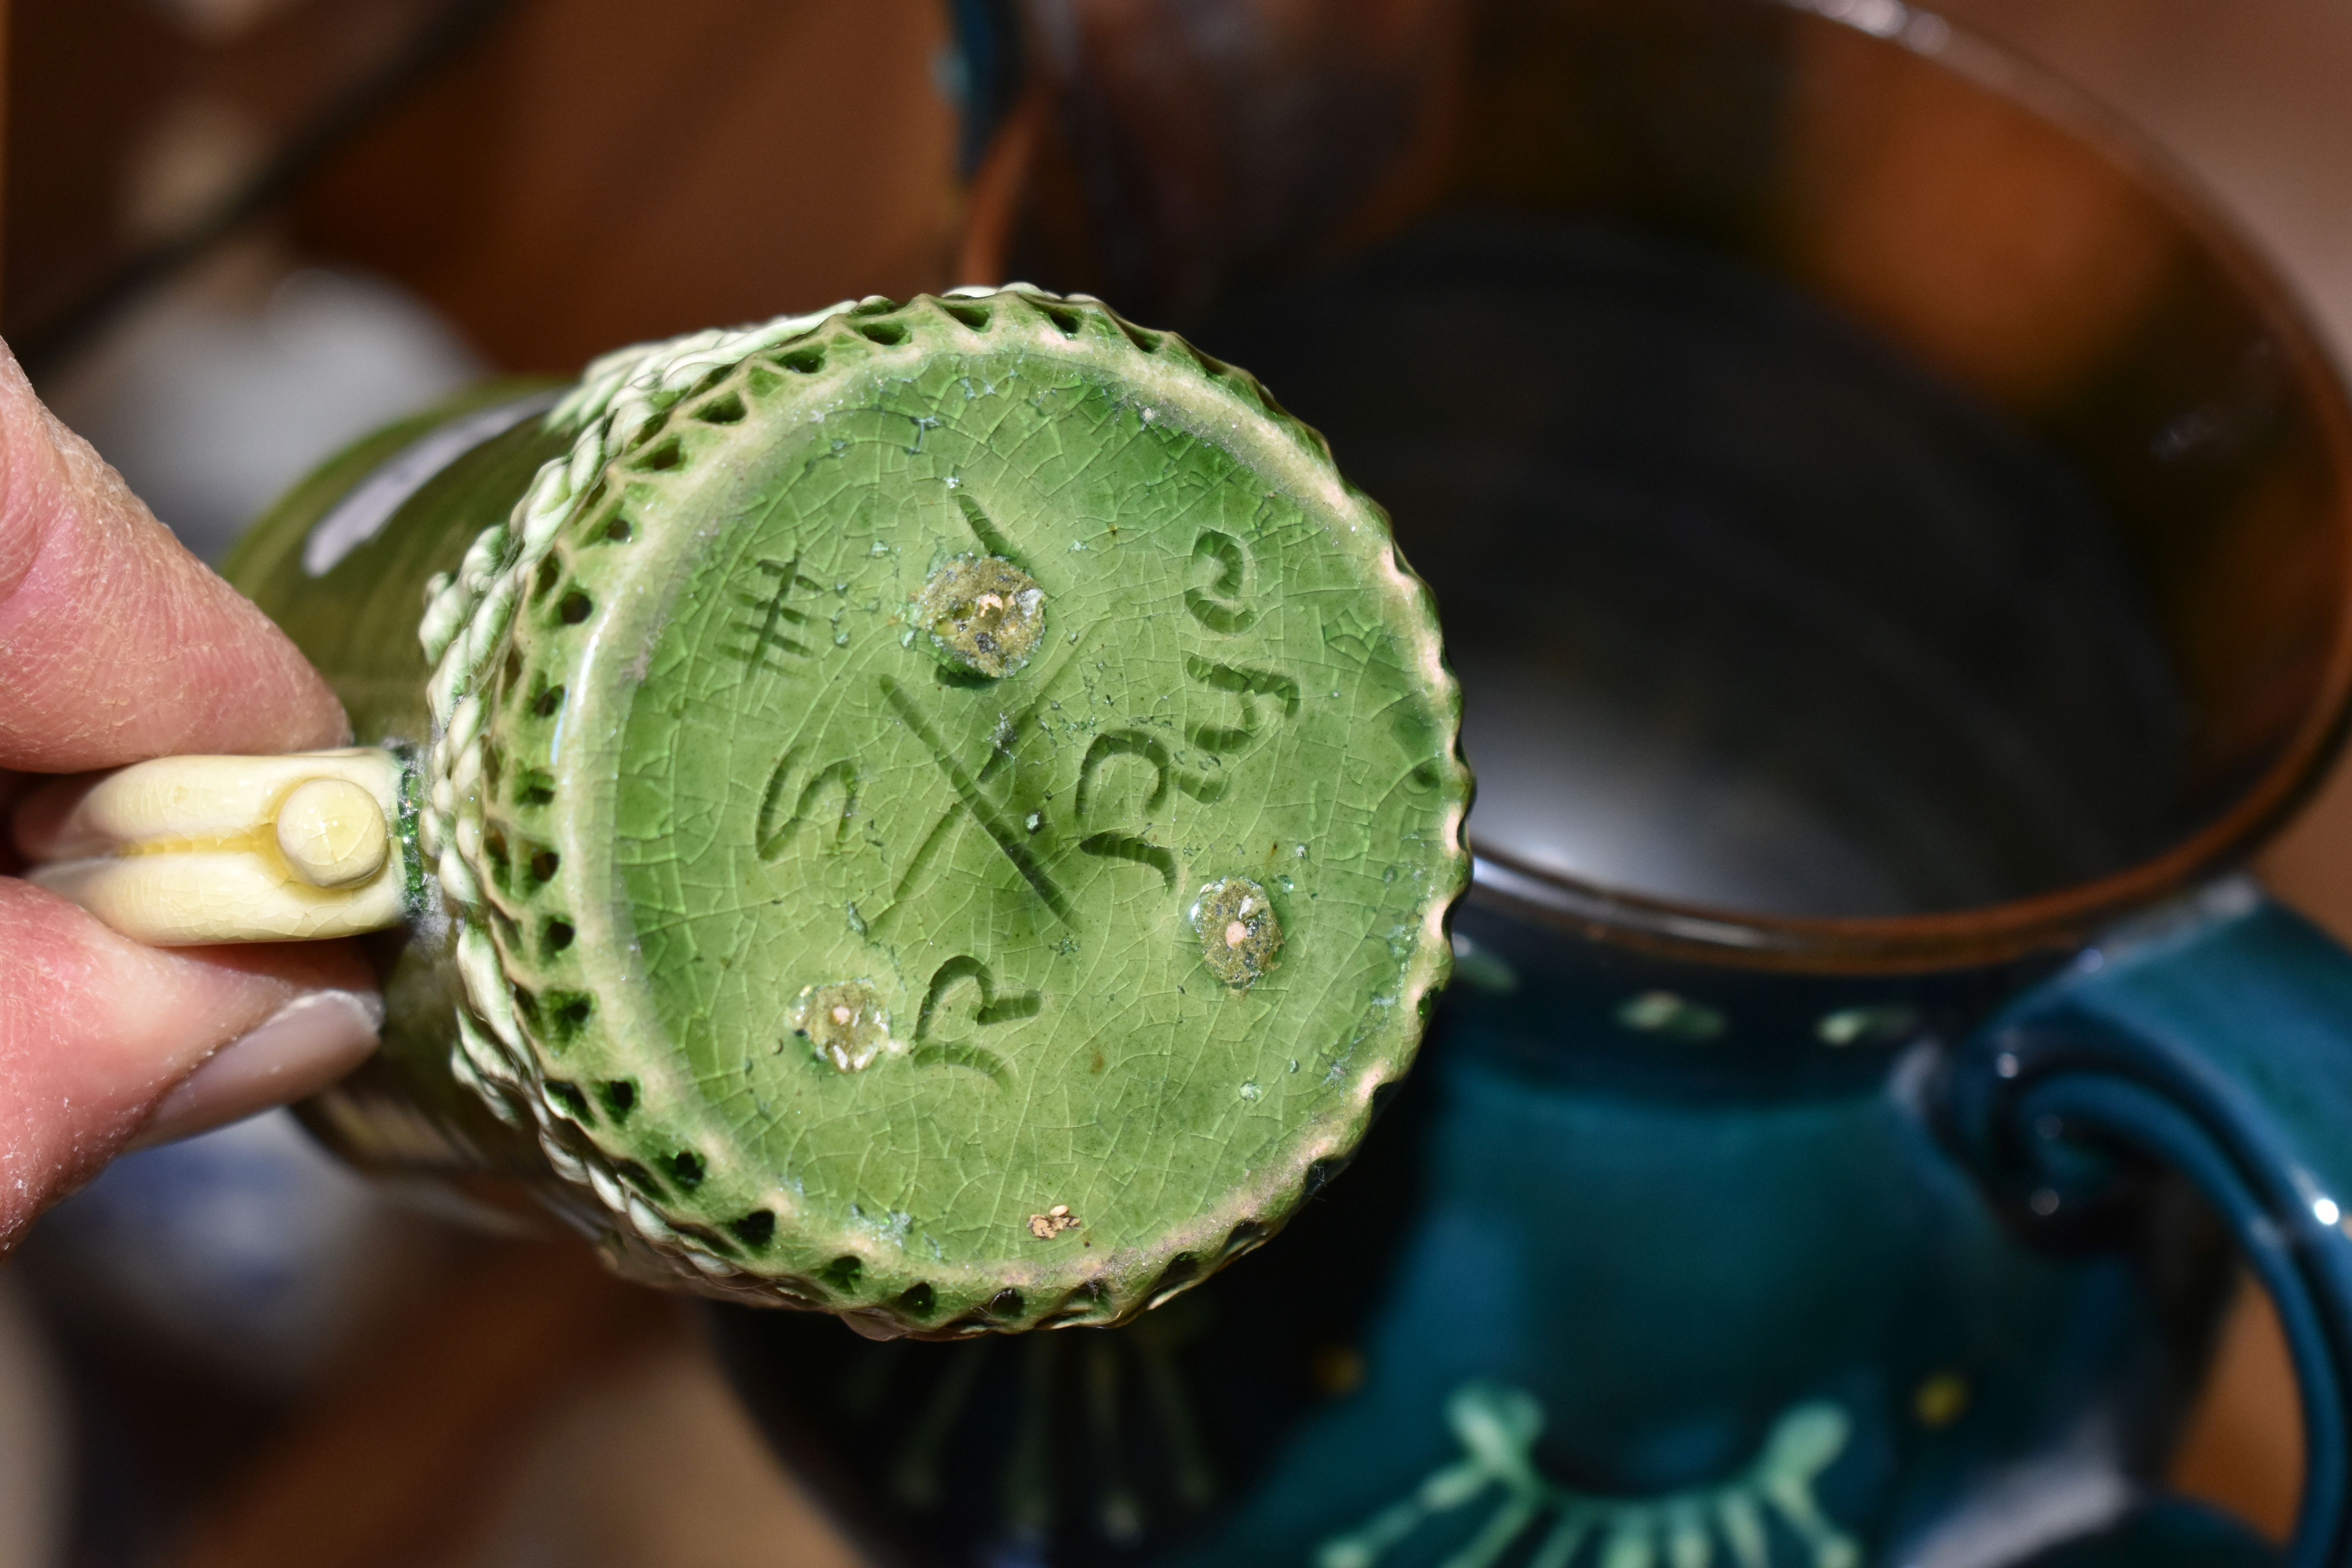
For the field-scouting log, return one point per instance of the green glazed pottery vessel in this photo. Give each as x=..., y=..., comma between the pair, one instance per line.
x=943, y=813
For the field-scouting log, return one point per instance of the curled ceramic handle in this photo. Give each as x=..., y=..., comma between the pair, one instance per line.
x=187, y=850
x=2212, y=1039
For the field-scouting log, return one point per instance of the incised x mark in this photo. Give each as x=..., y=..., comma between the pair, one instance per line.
x=1497, y=1428
x=1011, y=842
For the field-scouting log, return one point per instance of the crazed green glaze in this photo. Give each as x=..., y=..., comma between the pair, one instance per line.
x=963, y=800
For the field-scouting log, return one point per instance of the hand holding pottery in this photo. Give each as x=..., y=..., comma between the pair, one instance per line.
x=116, y=644
x=943, y=813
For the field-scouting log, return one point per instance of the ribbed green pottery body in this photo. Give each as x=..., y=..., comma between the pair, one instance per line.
x=965, y=804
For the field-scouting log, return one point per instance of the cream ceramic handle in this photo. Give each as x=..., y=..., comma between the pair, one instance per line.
x=187, y=850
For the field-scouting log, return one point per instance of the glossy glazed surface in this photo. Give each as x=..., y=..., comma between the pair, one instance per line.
x=897, y=965
x=1931, y=527
x=961, y=810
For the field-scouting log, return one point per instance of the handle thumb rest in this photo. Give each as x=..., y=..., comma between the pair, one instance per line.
x=2215, y=1041
x=185, y=851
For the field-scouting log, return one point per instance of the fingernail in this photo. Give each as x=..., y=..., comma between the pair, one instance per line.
x=302, y=1048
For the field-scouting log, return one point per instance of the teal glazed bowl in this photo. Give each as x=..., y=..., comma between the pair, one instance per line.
x=1894, y=539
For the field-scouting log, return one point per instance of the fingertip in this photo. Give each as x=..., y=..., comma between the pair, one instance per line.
x=97, y=1034
x=116, y=645
x=298, y=1050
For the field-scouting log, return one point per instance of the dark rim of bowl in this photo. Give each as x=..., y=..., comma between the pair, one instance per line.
x=2069, y=918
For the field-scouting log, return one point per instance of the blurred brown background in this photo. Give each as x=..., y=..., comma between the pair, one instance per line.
x=555, y=178
x=355, y=204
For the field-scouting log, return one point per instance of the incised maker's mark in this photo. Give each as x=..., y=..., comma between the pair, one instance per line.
x=991, y=1010
x=772, y=835
x=770, y=642
x=1008, y=837
x=985, y=616
x=1218, y=606
x=1142, y=744
x=1247, y=685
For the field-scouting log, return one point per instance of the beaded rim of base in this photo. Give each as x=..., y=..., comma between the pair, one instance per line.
x=467, y=619
x=623, y=399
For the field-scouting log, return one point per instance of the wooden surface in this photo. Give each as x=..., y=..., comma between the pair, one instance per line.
x=134, y=119
x=599, y=172
x=536, y=1410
